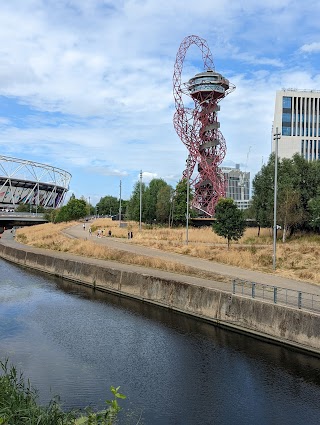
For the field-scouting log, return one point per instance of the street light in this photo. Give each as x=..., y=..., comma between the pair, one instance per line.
x=120, y=207
x=37, y=198
x=140, y=200
x=276, y=138
x=188, y=190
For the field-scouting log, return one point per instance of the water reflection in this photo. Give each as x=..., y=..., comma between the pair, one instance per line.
x=292, y=361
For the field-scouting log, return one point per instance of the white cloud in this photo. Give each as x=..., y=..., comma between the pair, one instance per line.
x=311, y=47
x=97, y=79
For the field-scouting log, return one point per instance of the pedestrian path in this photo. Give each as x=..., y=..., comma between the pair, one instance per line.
x=210, y=266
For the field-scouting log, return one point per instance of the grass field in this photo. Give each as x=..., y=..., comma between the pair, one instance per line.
x=297, y=258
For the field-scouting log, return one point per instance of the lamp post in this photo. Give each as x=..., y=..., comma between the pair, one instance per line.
x=120, y=206
x=276, y=138
x=188, y=190
x=140, y=201
x=37, y=199
x=89, y=206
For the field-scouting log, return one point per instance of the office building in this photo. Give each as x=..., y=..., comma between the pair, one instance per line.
x=238, y=186
x=297, y=117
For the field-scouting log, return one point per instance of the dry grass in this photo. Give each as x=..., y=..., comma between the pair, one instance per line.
x=50, y=236
x=298, y=259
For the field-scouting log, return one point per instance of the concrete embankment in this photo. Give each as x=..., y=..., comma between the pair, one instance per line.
x=277, y=323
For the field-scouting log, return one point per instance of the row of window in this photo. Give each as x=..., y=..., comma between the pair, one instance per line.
x=310, y=149
x=236, y=191
x=288, y=130
x=300, y=116
x=303, y=104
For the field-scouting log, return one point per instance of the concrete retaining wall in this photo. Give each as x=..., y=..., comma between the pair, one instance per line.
x=278, y=323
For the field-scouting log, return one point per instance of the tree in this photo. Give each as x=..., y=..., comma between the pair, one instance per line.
x=75, y=209
x=180, y=203
x=163, y=205
x=263, y=197
x=298, y=181
x=23, y=208
x=108, y=205
x=151, y=198
x=133, y=205
x=289, y=210
x=229, y=222
x=314, y=211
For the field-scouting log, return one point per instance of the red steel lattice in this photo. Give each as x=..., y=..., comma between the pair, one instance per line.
x=198, y=127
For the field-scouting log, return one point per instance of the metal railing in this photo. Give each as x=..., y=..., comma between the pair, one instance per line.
x=277, y=295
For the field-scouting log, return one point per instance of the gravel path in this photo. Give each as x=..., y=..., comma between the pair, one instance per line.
x=210, y=266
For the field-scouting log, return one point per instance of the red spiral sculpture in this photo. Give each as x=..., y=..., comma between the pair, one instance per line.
x=198, y=127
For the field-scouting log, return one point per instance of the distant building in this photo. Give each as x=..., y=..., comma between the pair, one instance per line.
x=238, y=186
x=297, y=117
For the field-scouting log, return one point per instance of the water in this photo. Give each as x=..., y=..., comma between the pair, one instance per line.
x=75, y=342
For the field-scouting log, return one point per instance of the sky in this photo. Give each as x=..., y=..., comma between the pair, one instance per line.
x=86, y=85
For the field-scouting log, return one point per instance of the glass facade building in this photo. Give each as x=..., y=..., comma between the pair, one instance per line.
x=297, y=117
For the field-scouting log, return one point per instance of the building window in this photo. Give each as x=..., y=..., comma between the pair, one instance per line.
x=286, y=102
x=302, y=147
x=286, y=131
x=286, y=117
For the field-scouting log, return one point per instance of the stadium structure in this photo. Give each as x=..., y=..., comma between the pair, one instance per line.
x=31, y=183
x=198, y=126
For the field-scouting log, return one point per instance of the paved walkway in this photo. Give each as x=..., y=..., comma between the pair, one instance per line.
x=210, y=266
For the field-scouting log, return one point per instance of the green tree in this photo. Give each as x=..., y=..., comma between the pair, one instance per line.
x=151, y=199
x=289, y=210
x=51, y=215
x=108, y=205
x=163, y=205
x=229, y=222
x=75, y=209
x=306, y=179
x=62, y=215
x=133, y=205
x=297, y=181
x=180, y=203
x=263, y=194
x=314, y=213
x=23, y=208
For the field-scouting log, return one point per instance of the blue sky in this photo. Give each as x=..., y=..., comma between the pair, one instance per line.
x=86, y=85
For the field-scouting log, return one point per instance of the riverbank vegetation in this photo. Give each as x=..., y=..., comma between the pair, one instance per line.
x=19, y=405
x=298, y=258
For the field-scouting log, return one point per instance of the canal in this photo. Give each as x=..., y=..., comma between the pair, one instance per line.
x=74, y=342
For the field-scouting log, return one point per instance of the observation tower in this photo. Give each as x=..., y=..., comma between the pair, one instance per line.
x=198, y=127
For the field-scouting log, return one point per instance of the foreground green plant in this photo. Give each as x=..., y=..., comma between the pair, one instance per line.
x=105, y=417
x=18, y=405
